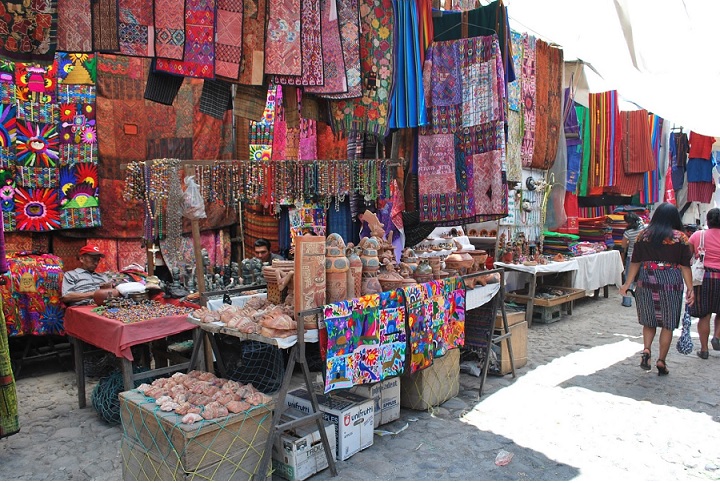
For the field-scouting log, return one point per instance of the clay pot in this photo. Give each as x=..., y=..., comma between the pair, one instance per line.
x=354, y=275
x=370, y=285
x=460, y=261
x=479, y=257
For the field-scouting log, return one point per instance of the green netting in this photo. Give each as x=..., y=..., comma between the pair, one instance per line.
x=104, y=396
x=252, y=362
x=156, y=445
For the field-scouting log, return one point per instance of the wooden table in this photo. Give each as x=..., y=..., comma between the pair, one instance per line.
x=84, y=325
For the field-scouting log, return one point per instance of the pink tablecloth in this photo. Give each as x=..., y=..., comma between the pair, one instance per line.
x=116, y=337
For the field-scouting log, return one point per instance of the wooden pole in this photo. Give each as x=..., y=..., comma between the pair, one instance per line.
x=200, y=276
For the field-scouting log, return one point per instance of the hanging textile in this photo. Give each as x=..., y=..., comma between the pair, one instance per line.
x=700, y=146
x=199, y=55
x=583, y=114
x=136, y=24
x=435, y=320
x=678, y=151
x=335, y=80
x=366, y=339
x=408, y=100
x=369, y=114
x=9, y=421
x=515, y=113
x=548, y=88
x=311, y=52
x=105, y=15
x=605, y=140
x=528, y=99
x=349, y=23
x=651, y=187
x=228, y=47
x=169, y=19
x=427, y=31
x=74, y=26
x=636, y=156
x=572, y=142
x=461, y=172
x=253, y=44
x=700, y=191
x=28, y=30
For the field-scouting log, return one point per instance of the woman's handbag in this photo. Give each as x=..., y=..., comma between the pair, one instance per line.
x=698, y=264
x=685, y=343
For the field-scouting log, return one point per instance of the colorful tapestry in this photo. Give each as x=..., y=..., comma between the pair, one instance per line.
x=465, y=94
x=605, y=138
x=169, y=29
x=67, y=249
x=28, y=30
x=329, y=146
x=136, y=28
x=515, y=87
x=9, y=421
x=366, y=340
x=335, y=81
x=283, y=52
x=31, y=296
x=369, y=114
x=542, y=82
x=527, y=90
x=651, y=187
x=555, y=104
x=308, y=140
x=109, y=247
x=35, y=91
x=199, y=58
x=74, y=26
x=76, y=68
x=514, y=146
x=253, y=47
x=349, y=20
x=407, y=102
x=105, y=18
x=419, y=325
x=311, y=48
x=131, y=252
x=228, y=47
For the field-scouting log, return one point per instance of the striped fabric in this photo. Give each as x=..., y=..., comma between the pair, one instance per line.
x=659, y=296
x=635, y=146
x=701, y=191
x=651, y=186
x=707, y=295
x=604, y=140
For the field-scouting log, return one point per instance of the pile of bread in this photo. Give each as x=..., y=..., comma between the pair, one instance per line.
x=200, y=395
x=257, y=316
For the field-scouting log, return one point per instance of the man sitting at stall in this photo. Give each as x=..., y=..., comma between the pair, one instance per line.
x=79, y=285
x=262, y=251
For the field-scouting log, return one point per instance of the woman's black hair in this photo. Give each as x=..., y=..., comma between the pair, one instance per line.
x=632, y=220
x=713, y=218
x=665, y=219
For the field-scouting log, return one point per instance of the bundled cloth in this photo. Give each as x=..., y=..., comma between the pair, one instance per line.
x=554, y=243
x=596, y=230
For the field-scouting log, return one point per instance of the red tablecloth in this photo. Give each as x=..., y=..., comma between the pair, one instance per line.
x=116, y=337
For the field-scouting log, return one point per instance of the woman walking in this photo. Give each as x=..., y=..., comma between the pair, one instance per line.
x=707, y=295
x=661, y=263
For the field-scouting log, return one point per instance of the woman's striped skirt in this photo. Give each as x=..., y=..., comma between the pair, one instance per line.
x=659, y=295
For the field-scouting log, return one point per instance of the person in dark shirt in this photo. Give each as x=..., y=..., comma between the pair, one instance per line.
x=661, y=263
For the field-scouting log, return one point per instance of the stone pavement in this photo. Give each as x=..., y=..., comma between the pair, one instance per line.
x=581, y=408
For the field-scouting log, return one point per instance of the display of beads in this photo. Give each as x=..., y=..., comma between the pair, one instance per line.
x=128, y=311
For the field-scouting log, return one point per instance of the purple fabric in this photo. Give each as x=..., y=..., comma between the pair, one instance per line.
x=385, y=217
x=572, y=126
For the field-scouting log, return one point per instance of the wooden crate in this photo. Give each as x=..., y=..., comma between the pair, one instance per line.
x=571, y=294
x=518, y=339
x=139, y=465
x=434, y=385
x=513, y=317
x=238, y=438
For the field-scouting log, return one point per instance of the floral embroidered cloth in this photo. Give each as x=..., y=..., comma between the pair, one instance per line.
x=435, y=320
x=366, y=339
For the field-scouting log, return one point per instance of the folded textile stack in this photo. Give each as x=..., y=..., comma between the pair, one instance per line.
x=596, y=230
x=618, y=226
x=554, y=243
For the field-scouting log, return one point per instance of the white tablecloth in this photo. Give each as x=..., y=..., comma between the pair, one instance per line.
x=480, y=295
x=598, y=269
x=550, y=267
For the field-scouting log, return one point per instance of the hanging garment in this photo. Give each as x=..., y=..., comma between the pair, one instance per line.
x=228, y=46
x=349, y=24
x=335, y=79
x=700, y=191
x=548, y=104
x=407, y=104
x=253, y=44
x=651, y=187
x=515, y=114
x=311, y=52
x=9, y=421
x=604, y=140
x=678, y=152
x=700, y=146
x=528, y=99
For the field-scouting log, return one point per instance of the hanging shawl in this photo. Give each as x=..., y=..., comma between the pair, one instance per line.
x=651, y=187
x=604, y=138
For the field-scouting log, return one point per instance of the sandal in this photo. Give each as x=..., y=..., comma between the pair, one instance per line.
x=703, y=354
x=662, y=370
x=645, y=360
x=715, y=343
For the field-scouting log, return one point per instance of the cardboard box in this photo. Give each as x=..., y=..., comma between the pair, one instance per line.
x=386, y=395
x=434, y=385
x=518, y=339
x=299, y=453
x=352, y=415
x=159, y=445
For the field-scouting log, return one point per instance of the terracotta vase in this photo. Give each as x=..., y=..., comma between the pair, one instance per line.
x=369, y=256
x=479, y=257
x=423, y=273
x=354, y=275
x=370, y=285
x=337, y=267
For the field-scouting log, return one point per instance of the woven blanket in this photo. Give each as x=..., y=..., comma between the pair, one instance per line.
x=335, y=80
x=311, y=48
x=635, y=144
x=542, y=82
x=28, y=30
x=199, y=59
x=604, y=140
x=369, y=114
x=74, y=26
x=228, y=47
x=253, y=47
x=170, y=29
x=651, y=187
x=105, y=34
x=135, y=27
x=555, y=104
x=283, y=41
x=349, y=23
x=366, y=339
x=527, y=90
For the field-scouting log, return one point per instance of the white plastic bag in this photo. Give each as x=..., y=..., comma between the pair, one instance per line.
x=194, y=208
